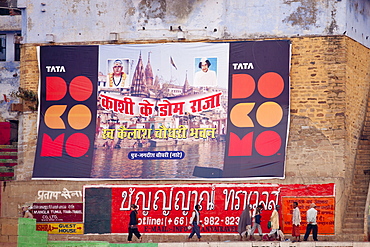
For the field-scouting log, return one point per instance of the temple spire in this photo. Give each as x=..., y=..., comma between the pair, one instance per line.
x=139, y=86
x=149, y=72
x=186, y=87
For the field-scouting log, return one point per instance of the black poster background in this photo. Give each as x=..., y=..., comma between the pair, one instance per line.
x=266, y=56
x=77, y=61
x=98, y=210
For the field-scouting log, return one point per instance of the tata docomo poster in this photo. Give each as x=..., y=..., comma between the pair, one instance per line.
x=164, y=111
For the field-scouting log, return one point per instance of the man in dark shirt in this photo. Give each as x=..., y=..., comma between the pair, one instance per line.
x=132, y=225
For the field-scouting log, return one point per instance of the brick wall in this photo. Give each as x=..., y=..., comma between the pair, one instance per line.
x=26, y=145
x=317, y=131
x=330, y=86
x=357, y=91
x=329, y=89
x=29, y=67
x=28, y=121
x=357, y=83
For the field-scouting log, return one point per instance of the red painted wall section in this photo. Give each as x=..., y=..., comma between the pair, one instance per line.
x=4, y=133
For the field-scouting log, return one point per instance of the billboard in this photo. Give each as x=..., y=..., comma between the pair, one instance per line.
x=61, y=228
x=164, y=111
x=57, y=212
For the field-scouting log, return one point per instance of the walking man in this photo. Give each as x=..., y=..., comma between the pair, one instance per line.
x=245, y=222
x=195, y=222
x=296, y=221
x=274, y=223
x=257, y=222
x=132, y=225
x=311, y=223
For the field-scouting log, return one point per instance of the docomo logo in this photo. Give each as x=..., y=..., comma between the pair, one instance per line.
x=268, y=114
x=79, y=116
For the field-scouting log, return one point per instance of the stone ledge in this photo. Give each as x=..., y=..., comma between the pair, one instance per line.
x=266, y=243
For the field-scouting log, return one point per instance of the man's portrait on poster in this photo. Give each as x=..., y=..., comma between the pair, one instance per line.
x=118, y=73
x=205, y=72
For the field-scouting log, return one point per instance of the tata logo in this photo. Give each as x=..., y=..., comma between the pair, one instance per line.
x=243, y=66
x=79, y=116
x=268, y=114
x=58, y=69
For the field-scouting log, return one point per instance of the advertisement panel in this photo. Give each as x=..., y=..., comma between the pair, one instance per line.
x=324, y=205
x=164, y=111
x=65, y=140
x=61, y=228
x=57, y=212
x=258, y=110
x=168, y=208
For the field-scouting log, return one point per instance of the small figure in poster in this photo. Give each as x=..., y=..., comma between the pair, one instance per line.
x=296, y=221
x=257, y=222
x=132, y=225
x=117, y=78
x=195, y=222
x=205, y=77
x=26, y=213
x=245, y=223
x=274, y=219
x=311, y=223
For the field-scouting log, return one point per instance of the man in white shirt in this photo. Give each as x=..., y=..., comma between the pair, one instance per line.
x=311, y=223
x=296, y=221
x=205, y=77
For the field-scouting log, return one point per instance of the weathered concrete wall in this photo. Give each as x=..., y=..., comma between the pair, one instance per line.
x=358, y=21
x=9, y=82
x=10, y=23
x=93, y=20
x=9, y=70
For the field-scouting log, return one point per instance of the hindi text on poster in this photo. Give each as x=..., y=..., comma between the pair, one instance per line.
x=325, y=207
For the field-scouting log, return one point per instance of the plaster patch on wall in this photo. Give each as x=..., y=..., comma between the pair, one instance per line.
x=11, y=66
x=361, y=8
x=182, y=9
x=151, y=9
x=305, y=15
x=333, y=24
x=9, y=82
x=5, y=113
x=29, y=23
x=130, y=11
x=101, y=9
x=165, y=11
x=9, y=73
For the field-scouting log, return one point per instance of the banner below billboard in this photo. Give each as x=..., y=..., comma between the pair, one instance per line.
x=168, y=208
